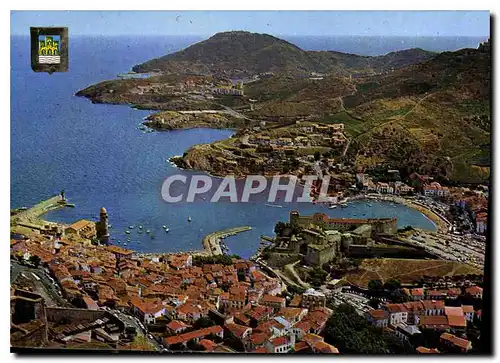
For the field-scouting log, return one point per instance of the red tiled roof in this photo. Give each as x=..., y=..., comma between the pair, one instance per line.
x=260, y=350
x=208, y=345
x=258, y=338
x=396, y=308
x=459, y=342
x=301, y=346
x=323, y=347
x=236, y=329
x=378, y=314
x=417, y=292
x=276, y=342
x=433, y=304
x=272, y=299
x=427, y=350
x=473, y=290
x=437, y=321
x=193, y=334
x=176, y=324
x=453, y=310
x=457, y=321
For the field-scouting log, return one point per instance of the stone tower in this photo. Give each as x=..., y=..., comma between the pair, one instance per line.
x=102, y=227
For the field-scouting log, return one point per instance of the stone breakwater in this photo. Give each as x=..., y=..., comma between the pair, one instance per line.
x=31, y=217
x=211, y=242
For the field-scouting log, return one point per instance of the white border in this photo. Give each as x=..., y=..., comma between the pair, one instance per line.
x=190, y=5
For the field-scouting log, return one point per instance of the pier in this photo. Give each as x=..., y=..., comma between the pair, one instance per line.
x=211, y=242
x=31, y=217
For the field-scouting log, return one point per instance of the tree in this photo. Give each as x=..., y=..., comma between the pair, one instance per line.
x=392, y=284
x=317, y=276
x=374, y=303
x=351, y=333
x=398, y=296
x=35, y=260
x=375, y=285
x=203, y=322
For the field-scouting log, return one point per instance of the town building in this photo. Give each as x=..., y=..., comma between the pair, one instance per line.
x=312, y=299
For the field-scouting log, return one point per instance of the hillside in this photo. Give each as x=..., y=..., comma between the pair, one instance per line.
x=244, y=54
x=412, y=110
x=432, y=117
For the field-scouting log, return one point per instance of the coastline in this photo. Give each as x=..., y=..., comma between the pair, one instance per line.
x=439, y=221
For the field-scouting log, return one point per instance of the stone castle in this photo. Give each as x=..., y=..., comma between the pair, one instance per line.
x=318, y=239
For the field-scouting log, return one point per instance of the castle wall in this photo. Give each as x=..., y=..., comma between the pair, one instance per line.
x=315, y=257
x=379, y=225
x=56, y=315
x=277, y=259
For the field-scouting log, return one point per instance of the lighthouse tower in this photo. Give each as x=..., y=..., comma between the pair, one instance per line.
x=103, y=229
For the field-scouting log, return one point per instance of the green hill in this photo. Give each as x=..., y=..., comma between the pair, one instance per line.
x=240, y=53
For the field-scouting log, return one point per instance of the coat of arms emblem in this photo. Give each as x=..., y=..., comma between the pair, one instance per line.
x=49, y=49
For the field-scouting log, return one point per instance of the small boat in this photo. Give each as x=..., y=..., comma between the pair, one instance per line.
x=140, y=227
x=332, y=206
x=148, y=231
x=127, y=232
x=343, y=205
x=274, y=205
x=131, y=227
x=125, y=244
x=167, y=229
x=110, y=226
x=164, y=227
x=189, y=219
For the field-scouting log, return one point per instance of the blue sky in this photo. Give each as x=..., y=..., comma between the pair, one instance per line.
x=205, y=23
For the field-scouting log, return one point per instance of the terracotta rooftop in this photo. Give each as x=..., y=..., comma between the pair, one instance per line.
x=176, y=324
x=396, y=308
x=119, y=250
x=236, y=329
x=457, y=321
x=182, y=338
x=272, y=299
x=434, y=321
x=378, y=314
x=279, y=341
x=453, y=310
x=459, y=342
x=468, y=308
x=323, y=347
x=208, y=345
x=427, y=350
x=473, y=290
x=82, y=223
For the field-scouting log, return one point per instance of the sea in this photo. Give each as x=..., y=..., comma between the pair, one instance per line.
x=99, y=157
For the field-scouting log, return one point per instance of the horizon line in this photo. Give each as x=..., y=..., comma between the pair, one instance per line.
x=275, y=35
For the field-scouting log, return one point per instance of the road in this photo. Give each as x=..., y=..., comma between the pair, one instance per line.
x=235, y=113
x=133, y=321
x=44, y=285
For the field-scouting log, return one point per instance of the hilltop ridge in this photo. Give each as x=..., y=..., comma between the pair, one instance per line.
x=241, y=53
